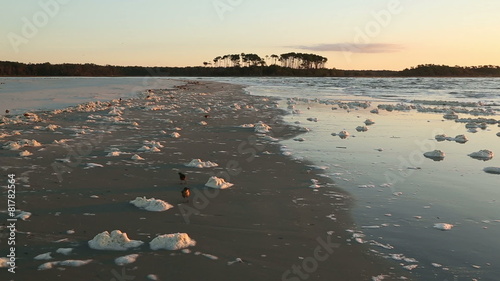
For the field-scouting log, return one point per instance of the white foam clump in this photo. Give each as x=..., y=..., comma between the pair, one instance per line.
x=152, y=277
x=45, y=256
x=343, y=134
x=215, y=182
x=128, y=259
x=116, y=241
x=443, y=226
x=16, y=145
x=442, y=137
x=492, y=170
x=72, y=263
x=93, y=165
x=435, y=154
x=498, y=134
x=247, y=126
x=152, y=205
x=379, y=277
x=137, y=157
x=64, y=251
x=3, y=262
x=25, y=153
x=461, y=139
x=450, y=115
x=482, y=154
x=262, y=127
x=175, y=135
x=23, y=215
x=115, y=112
x=202, y=123
x=151, y=146
x=369, y=122
x=197, y=163
x=175, y=241
x=361, y=128
x=113, y=154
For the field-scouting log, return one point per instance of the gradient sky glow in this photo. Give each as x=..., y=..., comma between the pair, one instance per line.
x=352, y=34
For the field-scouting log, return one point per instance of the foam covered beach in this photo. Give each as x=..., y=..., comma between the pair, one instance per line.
x=81, y=176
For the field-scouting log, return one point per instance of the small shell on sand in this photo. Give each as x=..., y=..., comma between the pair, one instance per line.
x=482, y=155
x=492, y=170
x=436, y=155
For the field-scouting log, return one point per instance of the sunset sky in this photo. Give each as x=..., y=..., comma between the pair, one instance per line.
x=354, y=34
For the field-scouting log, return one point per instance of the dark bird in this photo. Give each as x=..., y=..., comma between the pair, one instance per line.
x=7, y=111
x=206, y=116
x=186, y=193
x=183, y=178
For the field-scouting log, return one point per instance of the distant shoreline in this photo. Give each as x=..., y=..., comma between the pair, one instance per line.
x=17, y=69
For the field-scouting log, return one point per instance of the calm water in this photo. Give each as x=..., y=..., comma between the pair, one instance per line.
x=399, y=194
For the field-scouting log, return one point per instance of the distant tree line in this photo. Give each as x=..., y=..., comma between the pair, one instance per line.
x=291, y=60
x=249, y=65
x=433, y=70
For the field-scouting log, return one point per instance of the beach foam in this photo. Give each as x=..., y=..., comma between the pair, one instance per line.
x=116, y=241
x=435, y=155
x=361, y=128
x=482, y=155
x=261, y=127
x=64, y=251
x=3, y=262
x=492, y=170
x=175, y=241
x=443, y=226
x=215, y=182
x=72, y=263
x=137, y=157
x=22, y=215
x=25, y=153
x=153, y=205
x=175, y=135
x=16, y=145
x=343, y=134
x=197, y=163
x=45, y=256
x=128, y=259
x=369, y=122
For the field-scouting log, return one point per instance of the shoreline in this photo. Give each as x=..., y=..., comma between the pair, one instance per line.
x=269, y=219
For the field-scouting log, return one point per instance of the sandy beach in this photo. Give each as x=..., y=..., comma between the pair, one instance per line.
x=272, y=224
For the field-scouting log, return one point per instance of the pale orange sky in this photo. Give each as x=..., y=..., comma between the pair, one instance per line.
x=389, y=34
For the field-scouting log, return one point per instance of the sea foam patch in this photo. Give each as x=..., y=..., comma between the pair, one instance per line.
x=219, y=183
x=116, y=241
x=197, y=163
x=174, y=241
x=153, y=205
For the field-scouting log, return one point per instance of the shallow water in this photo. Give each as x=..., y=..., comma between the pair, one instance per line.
x=21, y=94
x=404, y=194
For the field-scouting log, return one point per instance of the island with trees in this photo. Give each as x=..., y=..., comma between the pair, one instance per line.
x=244, y=64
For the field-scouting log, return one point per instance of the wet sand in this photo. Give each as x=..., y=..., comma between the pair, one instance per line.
x=270, y=219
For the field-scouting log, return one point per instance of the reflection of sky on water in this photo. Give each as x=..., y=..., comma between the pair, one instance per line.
x=455, y=190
